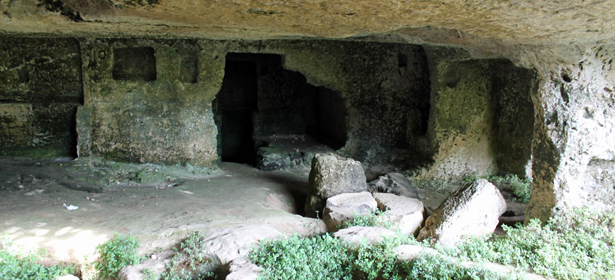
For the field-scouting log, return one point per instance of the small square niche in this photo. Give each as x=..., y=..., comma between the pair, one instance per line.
x=134, y=64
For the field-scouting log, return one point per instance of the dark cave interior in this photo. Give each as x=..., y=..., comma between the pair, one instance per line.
x=261, y=104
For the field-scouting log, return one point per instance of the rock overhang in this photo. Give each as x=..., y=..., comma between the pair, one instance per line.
x=445, y=21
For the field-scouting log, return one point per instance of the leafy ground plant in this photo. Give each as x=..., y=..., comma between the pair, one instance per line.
x=191, y=260
x=520, y=187
x=326, y=257
x=17, y=263
x=118, y=252
x=575, y=245
x=377, y=219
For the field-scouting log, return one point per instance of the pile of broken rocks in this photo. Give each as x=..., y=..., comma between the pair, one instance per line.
x=338, y=193
x=338, y=190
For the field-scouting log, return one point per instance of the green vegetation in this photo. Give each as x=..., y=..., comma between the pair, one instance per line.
x=118, y=252
x=326, y=257
x=575, y=245
x=519, y=187
x=376, y=219
x=17, y=263
x=191, y=260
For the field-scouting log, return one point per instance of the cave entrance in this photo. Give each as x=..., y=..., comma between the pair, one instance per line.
x=234, y=106
x=271, y=117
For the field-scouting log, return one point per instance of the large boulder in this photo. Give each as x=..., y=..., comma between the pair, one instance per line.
x=343, y=208
x=472, y=210
x=332, y=175
x=405, y=212
x=395, y=183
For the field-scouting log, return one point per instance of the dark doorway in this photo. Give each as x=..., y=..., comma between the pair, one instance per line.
x=234, y=107
x=271, y=117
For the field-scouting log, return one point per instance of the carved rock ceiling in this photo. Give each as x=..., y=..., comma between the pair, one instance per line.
x=504, y=21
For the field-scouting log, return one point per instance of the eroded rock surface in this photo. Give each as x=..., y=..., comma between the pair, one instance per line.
x=472, y=210
x=332, y=175
x=345, y=207
x=242, y=269
x=405, y=212
x=395, y=183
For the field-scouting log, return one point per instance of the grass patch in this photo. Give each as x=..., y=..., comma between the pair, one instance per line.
x=575, y=245
x=191, y=260
x=376, y=219
x=326, y=257
x=116, y=253
x=520, y=187
x=17, y=263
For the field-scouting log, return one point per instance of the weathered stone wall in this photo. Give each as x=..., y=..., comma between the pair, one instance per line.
x=482, y=119
x=163, y=115
x=574, y=143
x=150, y=101
x=385, y=89
x=40, y=89
x=154, y=109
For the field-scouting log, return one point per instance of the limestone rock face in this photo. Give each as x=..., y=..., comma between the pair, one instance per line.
x=405, y=212
x=342, y=208
x=472, y=210
x=332, y=175
x=394, y=183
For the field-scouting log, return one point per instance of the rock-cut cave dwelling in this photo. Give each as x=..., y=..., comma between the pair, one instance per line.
x=158, y=118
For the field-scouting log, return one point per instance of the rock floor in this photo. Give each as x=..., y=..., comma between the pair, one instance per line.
x=160, y=215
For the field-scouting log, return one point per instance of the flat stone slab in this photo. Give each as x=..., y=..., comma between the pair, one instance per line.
x=405, y=212
x=233, y=243
x=344, y=208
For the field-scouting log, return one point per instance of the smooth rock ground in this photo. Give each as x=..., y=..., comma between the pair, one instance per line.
x=159, y=217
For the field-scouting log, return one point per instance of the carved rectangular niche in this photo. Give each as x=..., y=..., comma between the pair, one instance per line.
x=134, y=64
